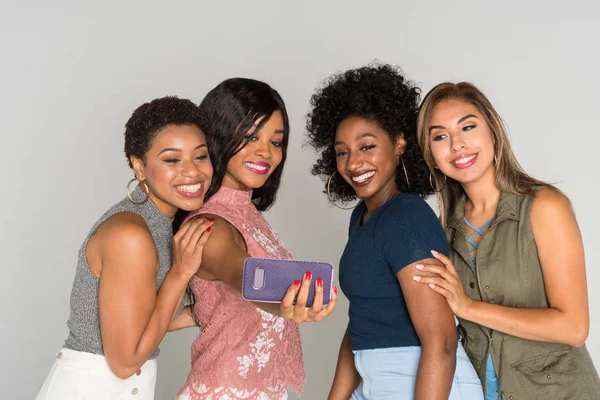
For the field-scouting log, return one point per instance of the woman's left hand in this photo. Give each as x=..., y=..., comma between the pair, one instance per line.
x=446, y=282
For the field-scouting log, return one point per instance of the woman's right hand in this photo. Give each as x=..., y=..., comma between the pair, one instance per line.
x=188, y=245
x=300, y=312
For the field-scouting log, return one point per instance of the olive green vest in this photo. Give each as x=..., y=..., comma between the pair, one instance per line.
x=509, y=273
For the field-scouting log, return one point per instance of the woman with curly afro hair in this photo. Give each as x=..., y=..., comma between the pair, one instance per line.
x=401, y=341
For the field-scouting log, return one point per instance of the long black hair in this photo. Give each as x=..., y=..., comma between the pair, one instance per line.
x=232, y=109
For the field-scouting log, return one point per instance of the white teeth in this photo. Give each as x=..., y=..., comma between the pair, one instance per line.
x=464, y=160
x=258, y=167
x=189, y=188
x=363, y=177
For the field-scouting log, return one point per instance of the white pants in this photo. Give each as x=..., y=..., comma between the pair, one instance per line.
x=239, y=394
x=86, y=376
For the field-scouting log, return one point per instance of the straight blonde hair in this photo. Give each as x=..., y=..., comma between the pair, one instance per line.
x=510, y=176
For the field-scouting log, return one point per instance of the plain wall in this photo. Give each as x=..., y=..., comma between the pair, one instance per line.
x=71, y=73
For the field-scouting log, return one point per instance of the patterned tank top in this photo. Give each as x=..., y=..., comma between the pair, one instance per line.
x=242, y=352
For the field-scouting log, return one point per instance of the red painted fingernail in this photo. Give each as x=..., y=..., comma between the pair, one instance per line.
x=296, y=283
x=208, y=229
x=308, y=276
x=320, y=282
x=210, y=219
x=335, y=289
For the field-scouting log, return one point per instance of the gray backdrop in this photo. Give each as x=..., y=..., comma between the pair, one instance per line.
x=71, y=73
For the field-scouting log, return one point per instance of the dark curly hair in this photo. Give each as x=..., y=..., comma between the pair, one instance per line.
x=380, y=93
x=149, y=118
x=232, y=108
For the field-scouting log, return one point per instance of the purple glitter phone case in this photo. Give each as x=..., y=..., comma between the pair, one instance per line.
x=267, y=280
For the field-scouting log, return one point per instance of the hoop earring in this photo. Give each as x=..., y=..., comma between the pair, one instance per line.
x=405, y=174
x=433, y=187
x=142, y=189
x=329, y=194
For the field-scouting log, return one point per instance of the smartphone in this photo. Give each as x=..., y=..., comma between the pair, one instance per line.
x=268, y=279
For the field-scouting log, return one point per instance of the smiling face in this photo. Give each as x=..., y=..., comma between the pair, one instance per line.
x=177, y=169
x=367, y=158
x=261, y=154
x=461, y=142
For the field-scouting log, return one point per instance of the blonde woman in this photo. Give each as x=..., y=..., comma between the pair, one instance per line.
x=515, y=277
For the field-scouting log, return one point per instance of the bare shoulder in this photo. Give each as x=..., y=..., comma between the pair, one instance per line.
x=125, y=231
x=550, y=205
x=223, y=253
x=550, y=197
x=223, y=233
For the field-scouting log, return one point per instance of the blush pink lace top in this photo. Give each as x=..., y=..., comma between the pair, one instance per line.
x=242, y=351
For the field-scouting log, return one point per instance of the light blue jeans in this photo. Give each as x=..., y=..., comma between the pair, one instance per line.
x=391, y=374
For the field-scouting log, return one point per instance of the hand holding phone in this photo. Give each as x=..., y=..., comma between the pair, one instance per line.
x=267, y=280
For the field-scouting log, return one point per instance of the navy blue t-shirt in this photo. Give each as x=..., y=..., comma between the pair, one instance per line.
x=402, y=231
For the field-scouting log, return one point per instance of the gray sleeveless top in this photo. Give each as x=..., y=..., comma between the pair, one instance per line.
x=84, y=322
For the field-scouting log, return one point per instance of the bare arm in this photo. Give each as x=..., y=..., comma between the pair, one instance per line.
x=560, y=249
x=134, y=317
x=223, y=259
x=346, y=376
x=434, y=322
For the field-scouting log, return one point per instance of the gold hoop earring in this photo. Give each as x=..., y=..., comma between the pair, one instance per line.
x=405, y=174
x=433, y=187
x=141, y=188
x=329, y=193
